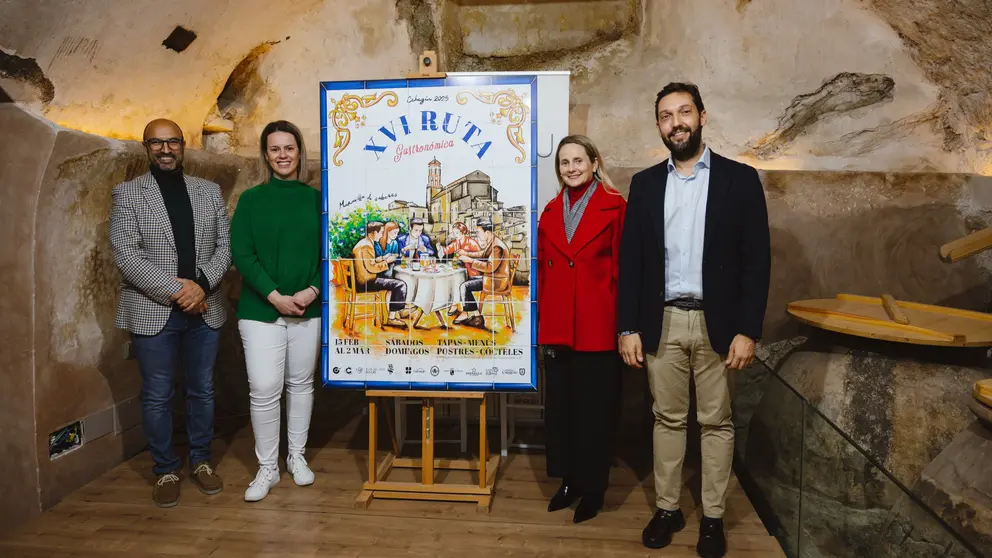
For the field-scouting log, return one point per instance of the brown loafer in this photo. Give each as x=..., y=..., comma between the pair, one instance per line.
x=206, y=479
x=165, y=493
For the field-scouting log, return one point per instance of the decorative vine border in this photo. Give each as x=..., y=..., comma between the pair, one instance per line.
x=345, y=112
x=512, y=107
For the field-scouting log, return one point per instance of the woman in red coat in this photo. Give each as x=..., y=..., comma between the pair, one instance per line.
x=578, y=246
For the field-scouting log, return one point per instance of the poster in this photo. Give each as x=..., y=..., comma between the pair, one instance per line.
x=430, y=192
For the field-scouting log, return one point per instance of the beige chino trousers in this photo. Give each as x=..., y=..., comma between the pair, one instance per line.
x=685, y=349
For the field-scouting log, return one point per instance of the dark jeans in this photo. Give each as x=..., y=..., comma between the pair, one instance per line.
x=187, y=338
x=581, y=413
x=396, y=288
x=469, y=303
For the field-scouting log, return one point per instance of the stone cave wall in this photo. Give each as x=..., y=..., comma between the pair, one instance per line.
x=821, y=415
x=816, y=455
x=22, y=163
x=62, y=359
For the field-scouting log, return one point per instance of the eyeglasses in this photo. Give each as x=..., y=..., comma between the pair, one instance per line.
x=155, y=144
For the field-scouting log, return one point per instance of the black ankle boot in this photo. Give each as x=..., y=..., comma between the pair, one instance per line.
x=659, y=531
x=566, y=496
x=712, y=543
x=588, y=508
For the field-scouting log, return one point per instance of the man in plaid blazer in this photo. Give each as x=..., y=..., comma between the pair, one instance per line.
x=169, y=234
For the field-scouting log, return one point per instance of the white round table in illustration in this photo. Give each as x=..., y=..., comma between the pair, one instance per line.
x=432, y=289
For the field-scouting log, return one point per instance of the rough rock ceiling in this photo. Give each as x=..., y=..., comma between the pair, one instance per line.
x=104, y=68
x=951, y=40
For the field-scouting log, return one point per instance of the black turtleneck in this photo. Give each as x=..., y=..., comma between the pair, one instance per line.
x=180, y=210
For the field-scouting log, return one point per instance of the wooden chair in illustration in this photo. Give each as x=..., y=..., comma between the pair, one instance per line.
x=351, y=288
x=503, y=296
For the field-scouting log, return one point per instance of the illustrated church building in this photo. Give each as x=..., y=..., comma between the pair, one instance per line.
x=467, y=199
x=470, y=199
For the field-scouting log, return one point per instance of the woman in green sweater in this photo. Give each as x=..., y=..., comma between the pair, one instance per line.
x=275, y=243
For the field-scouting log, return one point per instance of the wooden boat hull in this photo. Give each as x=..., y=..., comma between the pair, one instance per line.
x=894, y=320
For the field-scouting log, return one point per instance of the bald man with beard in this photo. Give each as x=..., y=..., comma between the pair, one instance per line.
x=169, y=234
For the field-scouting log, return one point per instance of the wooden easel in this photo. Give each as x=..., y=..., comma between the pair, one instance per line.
x=377, y=486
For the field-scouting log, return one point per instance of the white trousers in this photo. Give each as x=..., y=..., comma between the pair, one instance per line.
x=282, y=353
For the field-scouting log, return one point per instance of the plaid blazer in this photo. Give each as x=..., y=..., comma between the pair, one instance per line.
x=145, y=251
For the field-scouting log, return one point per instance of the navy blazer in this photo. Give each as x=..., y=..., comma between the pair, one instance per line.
x=736, y=255
x=425, y=240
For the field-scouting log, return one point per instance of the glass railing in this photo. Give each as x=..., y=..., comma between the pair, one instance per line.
x=822, y=496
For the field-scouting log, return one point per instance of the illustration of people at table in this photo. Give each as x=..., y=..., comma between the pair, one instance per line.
x=415, y=243
x=368, y=267
x=493, y=261
x=388, y=245
x=459, y=239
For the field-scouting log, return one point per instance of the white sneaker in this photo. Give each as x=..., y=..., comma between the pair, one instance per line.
x=265, y=479
x=302, y=475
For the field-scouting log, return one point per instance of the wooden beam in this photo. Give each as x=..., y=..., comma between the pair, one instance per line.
x=483, y=444
x=373, y=432
x=447, y=464
x=427, y=445
x=427, y=489
x=413, y=394
x=966, y=246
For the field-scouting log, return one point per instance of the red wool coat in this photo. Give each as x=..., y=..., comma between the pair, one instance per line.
x=577, y=281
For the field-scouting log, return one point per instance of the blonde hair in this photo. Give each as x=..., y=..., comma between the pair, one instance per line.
x=593, y=153
x=265, y=168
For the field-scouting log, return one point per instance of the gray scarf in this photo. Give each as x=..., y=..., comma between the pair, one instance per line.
x=574, y=214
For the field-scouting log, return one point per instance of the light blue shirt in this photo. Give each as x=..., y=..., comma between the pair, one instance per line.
x=685, y=224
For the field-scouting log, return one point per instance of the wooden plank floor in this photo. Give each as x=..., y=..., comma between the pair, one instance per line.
x=114, y=516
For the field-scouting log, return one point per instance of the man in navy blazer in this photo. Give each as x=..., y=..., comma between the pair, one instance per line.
x=695, y=261
x=415, y=242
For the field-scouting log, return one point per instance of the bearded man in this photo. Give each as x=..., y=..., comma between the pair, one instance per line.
x=694, y=273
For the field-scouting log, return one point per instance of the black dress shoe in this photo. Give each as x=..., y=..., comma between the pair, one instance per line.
x=588, y=508
x=712, y=543
x=658, y=533
x=566, y=496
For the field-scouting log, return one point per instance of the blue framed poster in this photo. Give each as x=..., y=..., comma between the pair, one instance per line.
x=430, y=199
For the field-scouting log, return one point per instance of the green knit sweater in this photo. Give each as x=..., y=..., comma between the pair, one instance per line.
x=275, y=244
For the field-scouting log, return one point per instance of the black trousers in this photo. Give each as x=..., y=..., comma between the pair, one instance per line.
x=581, y=415
x=396, y=288
x=469, y=303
